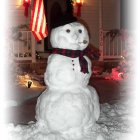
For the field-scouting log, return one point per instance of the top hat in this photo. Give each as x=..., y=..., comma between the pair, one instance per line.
x=63, y=20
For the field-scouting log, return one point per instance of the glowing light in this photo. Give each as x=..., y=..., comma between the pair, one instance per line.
x=27, y=80
x=78, y=4
x=117, y=75
x=120, y=74
x=79, y=1
x=19, y=3
x=122, y=57
x=27, y=1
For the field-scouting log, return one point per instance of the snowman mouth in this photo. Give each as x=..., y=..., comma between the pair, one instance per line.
x=84, y=42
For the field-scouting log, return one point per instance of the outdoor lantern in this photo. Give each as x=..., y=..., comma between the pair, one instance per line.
x=29, y=83
x=79, y=4
x=26, y=4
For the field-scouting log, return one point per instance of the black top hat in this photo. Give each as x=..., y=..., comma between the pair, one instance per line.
x=64, y=19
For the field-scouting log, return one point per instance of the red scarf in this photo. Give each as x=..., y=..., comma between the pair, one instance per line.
x=74, y=54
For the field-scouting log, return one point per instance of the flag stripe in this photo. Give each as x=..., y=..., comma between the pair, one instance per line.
x=38, y=21
x=34, y=15
x=37, y=15
x=42, y=23
x=36, y=36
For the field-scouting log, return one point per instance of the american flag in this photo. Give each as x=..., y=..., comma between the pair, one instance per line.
x=38, y=21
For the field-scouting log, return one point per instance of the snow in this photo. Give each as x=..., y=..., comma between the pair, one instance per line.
x=10, y=103
x=58, y=66
x=69, y=109
x=115, y=123
x=68, y=96
x=21, y=93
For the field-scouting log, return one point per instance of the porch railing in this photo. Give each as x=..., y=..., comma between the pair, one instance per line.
x=23, y=47
x=113, y=45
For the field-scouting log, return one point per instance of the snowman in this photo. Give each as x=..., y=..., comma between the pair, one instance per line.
x=69, y=106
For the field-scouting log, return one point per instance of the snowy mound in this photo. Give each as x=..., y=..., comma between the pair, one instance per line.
x=114, y=124
x=68, y=112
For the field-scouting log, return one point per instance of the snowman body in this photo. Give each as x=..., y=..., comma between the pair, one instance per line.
x=69, y=106
x=65, y=72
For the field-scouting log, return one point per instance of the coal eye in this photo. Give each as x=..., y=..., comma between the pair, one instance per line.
x=80, y=31
x=68, y=30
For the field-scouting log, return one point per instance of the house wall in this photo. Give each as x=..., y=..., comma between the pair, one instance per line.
x=16, y=13
x=89, y=13
x=111, y=14
x=110, y=17
x=16, y=17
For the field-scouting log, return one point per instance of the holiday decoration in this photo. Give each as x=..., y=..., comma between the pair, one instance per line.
x=26, y=4
x=29, y=83
x=78, y=4
x=30, y=80
x=37, y=55
x=124, y=68
x=113, y=33
x=16, y=33
x=38, y=21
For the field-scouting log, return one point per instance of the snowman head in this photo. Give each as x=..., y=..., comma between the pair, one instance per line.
x=73, y=36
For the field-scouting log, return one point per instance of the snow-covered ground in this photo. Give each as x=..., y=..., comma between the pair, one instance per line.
x=21, y=93
x=115, y=122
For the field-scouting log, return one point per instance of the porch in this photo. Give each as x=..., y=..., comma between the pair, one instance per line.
x=111, y=46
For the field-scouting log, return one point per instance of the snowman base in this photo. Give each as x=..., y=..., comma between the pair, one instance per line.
x=62, y=115
x=70, y=113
